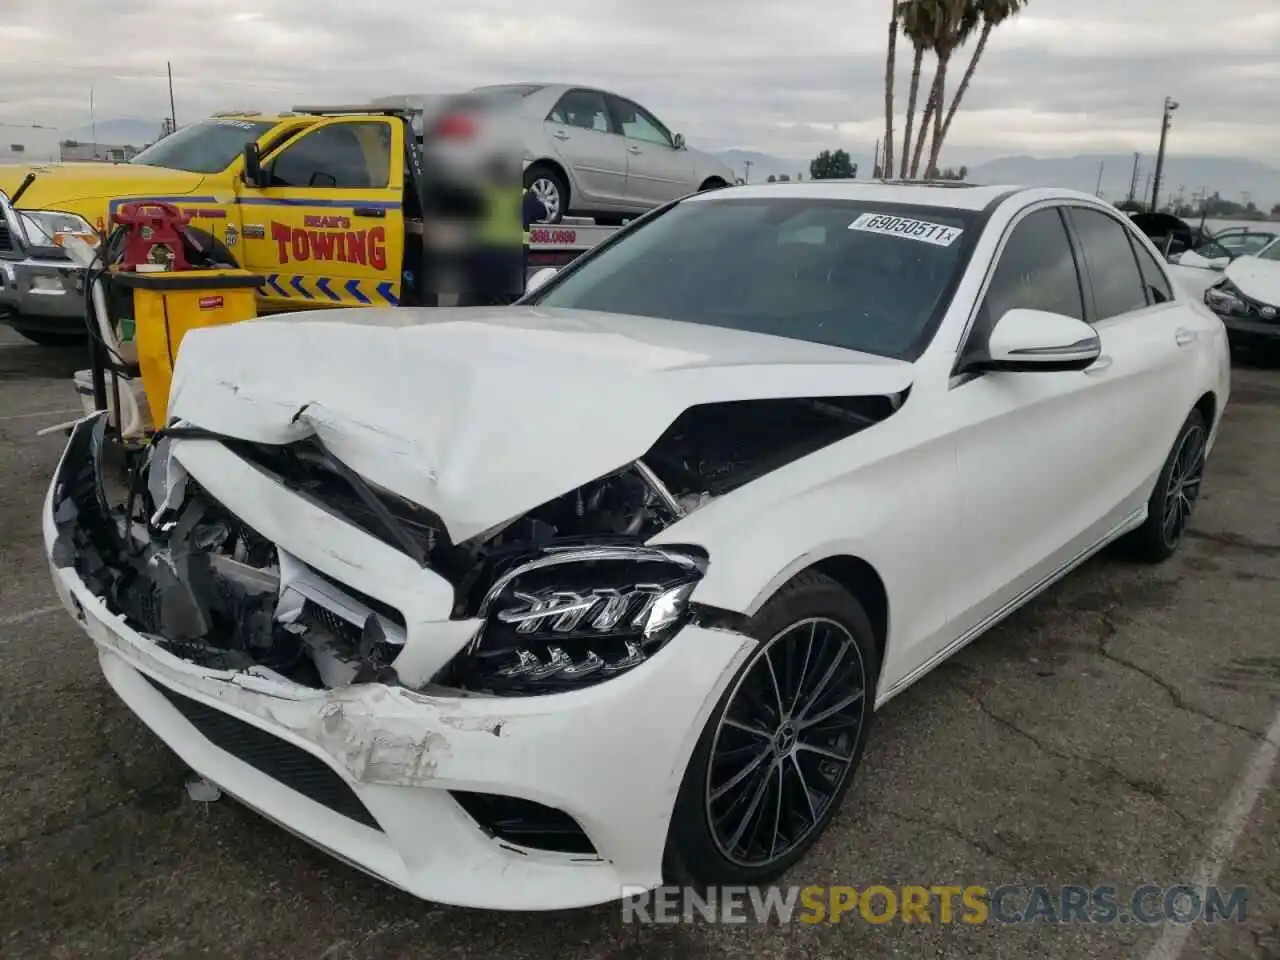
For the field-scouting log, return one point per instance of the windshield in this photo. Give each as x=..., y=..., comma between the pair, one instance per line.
x=1234, y=245
x=864, y=276
x=1271, y=251
x=207, y=147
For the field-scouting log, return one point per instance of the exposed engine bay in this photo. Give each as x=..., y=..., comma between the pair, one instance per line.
x=566, y=593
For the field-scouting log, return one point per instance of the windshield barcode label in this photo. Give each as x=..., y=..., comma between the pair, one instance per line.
x=938, y=234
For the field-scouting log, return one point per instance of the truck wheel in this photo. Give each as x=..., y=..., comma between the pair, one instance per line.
x=548, y=186
x=51, y=338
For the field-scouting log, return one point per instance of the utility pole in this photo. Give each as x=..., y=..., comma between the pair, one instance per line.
x=747, y=164
x=173, y=111
x=1166, y=120
x=1133, y=180
x=93, y=124
x=1097, y=190
x=875, y=161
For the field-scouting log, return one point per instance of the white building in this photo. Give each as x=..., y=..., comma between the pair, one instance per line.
x=28, y=143
x=75, y=150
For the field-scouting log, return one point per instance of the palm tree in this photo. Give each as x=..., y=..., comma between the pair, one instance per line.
x=890, y=73
x=917, y=21
x=993, y=13
x=931, y=22
x=958, y=20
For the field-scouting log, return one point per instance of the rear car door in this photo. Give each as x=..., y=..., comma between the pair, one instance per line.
x=1033, y=450
x=328, y=230
x=584, y=136
x=656, y=171
x=1148, y=356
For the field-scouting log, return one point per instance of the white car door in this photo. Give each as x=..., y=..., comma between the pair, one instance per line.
x=581, y=131
x=1149, y=348
x=1036, y=452
x=657, y=171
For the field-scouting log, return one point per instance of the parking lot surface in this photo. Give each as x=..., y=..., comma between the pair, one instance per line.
x=1113, y=732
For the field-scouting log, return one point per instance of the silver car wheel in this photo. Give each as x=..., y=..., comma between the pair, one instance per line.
x=546, y=190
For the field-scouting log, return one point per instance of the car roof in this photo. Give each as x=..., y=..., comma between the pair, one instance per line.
x=958, y=194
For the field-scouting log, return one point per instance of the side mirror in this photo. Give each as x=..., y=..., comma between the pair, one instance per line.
x=253, y=173
x=1025, y=341
x=678, y=140
x=1220, y=264
x=539, y=279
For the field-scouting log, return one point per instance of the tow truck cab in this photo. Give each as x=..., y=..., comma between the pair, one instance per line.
x=334, y=219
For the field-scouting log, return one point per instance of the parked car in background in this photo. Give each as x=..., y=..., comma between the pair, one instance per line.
x=1247, y=298
x=591, y=153
x=1202, y=267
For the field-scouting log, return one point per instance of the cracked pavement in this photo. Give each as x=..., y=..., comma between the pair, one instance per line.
x=1092, y=738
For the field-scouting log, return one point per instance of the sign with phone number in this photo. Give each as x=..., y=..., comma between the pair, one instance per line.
x=548, y=235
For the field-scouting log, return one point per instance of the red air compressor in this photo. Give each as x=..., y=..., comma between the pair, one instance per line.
x=155, y=235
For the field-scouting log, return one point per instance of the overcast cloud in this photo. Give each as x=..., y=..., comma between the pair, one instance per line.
x=787, y=77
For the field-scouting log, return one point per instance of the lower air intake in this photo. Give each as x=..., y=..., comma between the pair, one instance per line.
x=524, y=823
x=292, y=766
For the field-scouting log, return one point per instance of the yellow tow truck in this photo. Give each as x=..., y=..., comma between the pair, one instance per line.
x=321, y=204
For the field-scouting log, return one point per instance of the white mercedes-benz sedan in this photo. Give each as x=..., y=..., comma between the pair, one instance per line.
x=516, y=607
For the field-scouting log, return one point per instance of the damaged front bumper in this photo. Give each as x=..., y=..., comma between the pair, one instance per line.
x=539, y=802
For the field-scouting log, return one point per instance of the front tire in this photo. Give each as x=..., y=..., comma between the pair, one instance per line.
x=782, y=746
x=1175, y=495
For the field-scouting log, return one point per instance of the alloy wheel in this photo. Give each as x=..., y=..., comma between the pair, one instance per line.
x=1183, y=488
x=546, y=190
x=786, y=742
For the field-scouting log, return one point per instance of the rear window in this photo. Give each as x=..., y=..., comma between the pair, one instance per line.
x=870, y=277
x=207, y=147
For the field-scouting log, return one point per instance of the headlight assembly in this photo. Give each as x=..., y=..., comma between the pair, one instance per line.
x=578, y=616
x=1226, y=300
x=48, y=228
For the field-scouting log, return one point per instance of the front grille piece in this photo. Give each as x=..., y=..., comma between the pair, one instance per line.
x=292, y=766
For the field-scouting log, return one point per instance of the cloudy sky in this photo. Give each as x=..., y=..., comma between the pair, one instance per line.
x=787, y=78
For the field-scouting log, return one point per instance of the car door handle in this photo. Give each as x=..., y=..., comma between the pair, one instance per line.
x=560, y=135
x=1184, y=337
x=1099, y=366
x=635, y=150
x=368, y=212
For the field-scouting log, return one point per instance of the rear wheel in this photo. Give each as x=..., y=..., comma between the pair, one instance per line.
x=549, y=186
x=782, y=746
x=1174, y=498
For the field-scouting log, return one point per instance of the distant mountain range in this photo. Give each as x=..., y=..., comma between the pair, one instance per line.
x=1231, y=178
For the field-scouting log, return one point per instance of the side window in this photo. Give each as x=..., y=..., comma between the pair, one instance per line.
x=1037, y=271
x=639, y=124
x=1118, y=287
x=350, y=155
x=585, y=109
x=1153, y=278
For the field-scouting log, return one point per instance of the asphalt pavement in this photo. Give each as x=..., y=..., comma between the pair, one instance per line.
x=1115, y=732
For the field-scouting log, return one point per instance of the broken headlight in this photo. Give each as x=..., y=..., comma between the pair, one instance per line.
x=1225, y=299
x=578, y=616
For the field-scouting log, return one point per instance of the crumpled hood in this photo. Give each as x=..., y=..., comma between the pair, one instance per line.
x=1257, y=279
x=87, y=188
x=481, y=415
